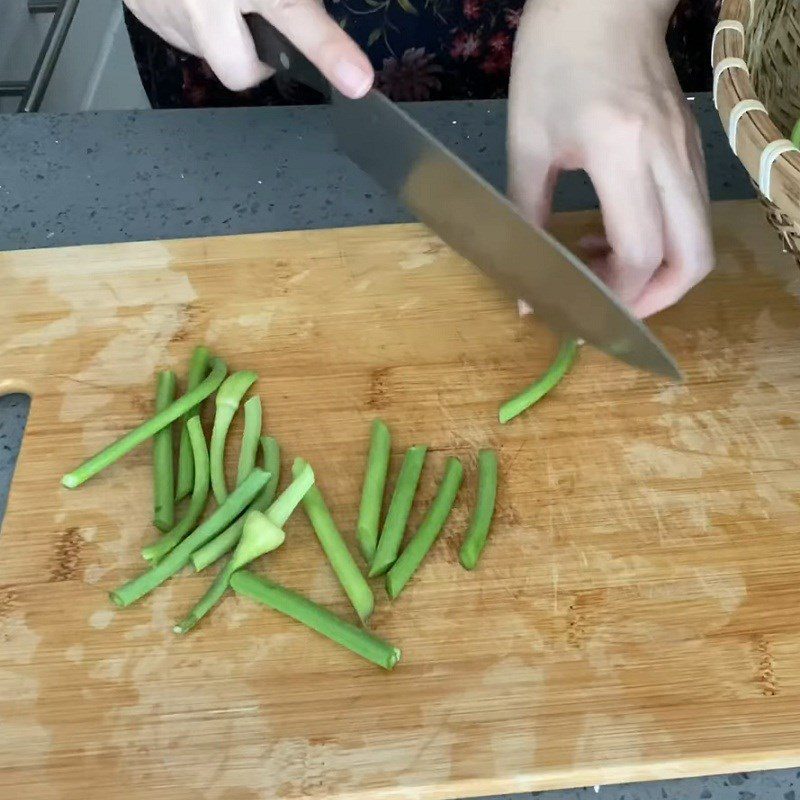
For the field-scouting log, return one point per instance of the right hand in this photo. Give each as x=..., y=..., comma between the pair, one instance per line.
x=216, y=31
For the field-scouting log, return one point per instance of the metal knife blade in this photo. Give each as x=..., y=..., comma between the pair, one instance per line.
x=473, y=218
x=484, y=227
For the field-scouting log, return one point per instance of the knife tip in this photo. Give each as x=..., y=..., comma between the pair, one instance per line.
x=661, y=364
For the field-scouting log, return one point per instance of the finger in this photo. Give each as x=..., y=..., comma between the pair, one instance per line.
x=594, y=246
x=532, y=181
x=632, y=218
x=226, y=45
x=663, y=291
x=689, y=246
x=320, y=39
x=671, y=283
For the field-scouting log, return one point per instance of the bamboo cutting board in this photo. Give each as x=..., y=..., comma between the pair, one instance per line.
x=635, y=614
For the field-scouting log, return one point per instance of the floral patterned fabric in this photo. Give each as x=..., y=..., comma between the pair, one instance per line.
x=421, y=50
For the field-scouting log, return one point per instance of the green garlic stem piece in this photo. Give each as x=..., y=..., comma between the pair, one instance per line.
x=369, y=513
x=179, y=556
x=212, y=596
x=250, y=439
x=143, y=432
x=197, y=502
x=416, y=550
x=478, y=530
x=163, y=469
x=291, y=497
x=278, y=513
x=315, y=617
x=394, y=526
x=227, y=401
x=539, y=388
x=796, y=134
x=271, y=458
x=342, y=562
x=259, y=536
x=198, y=368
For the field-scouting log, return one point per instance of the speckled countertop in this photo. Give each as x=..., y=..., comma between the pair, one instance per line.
x=111, y=176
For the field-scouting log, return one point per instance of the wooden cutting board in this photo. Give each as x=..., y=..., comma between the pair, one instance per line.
x=636, y=614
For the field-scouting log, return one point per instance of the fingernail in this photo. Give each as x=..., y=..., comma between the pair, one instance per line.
x=523, y=308
x=352, y=80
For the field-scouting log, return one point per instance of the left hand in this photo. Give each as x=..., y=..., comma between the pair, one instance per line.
x=592, y=87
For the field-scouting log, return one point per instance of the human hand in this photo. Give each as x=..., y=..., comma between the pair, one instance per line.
x=592, y=87
x=216, y=31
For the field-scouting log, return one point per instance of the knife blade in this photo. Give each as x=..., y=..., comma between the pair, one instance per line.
x=472, y=217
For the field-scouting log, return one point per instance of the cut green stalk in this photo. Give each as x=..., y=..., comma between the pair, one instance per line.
x=316, y=617
x=250, y=438
x=278, y=513
x=369, y=513
x=796, y=134
x=342, y=562
x=179, y=556
x=163, y=469
x=259, y=536
x=198, y=367
x=271, y=456
x=478, y=530
x=539, y=388
x=197, y=503
x=288, y=500
x=416, y=550
x=123, y=446
x=228, y=398
x=394, y=525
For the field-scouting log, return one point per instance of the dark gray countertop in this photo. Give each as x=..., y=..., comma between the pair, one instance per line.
x=111, y=176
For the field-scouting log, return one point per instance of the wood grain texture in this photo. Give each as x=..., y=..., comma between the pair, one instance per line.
x=636, y=611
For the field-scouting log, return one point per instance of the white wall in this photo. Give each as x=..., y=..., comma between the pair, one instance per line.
x=115, y=82
x=96, y=68
x=21, y=36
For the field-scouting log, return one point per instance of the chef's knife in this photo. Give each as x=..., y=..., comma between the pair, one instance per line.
x=471, y=216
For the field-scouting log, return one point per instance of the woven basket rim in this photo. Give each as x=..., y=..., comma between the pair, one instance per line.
x=755, y=130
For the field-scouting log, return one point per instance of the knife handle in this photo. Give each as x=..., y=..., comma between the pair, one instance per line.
x=276, y=51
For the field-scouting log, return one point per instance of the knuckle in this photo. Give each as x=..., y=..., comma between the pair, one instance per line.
x=234, y=83
x=289, y=8
x=640, y=256
x=632, y=127
x=240, y=83
x=195, y=13
x=236, y=74
x=702, y=266
x=620, y=125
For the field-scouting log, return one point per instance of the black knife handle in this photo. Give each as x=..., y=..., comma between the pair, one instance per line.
x=276, y=51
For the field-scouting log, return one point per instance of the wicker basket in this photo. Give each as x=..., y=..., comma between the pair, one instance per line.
x=756, y=58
